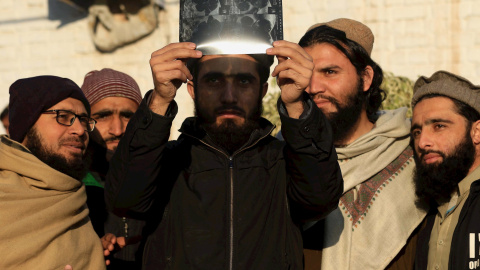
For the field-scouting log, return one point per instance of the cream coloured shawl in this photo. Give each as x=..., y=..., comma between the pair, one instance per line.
x=44, y=220
x=375, y=217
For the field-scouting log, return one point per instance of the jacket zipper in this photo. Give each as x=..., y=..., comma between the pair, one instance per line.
x=230, y=265
x=125, y=227
x=230, y=167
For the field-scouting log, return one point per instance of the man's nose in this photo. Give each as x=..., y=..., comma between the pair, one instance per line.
x=316, y=86
x=229, y=94
x=424, y=140
x=77, y=128
x=117, y=127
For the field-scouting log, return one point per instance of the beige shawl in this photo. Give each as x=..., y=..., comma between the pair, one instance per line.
x=377, y=211
x=44, y=220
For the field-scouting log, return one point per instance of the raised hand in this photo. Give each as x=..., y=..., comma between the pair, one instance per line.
x=169, y=71
x=293, y=72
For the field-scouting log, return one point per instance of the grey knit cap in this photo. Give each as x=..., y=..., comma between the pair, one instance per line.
x=450, y=85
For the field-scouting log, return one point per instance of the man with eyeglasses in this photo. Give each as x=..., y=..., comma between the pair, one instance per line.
x=44, y=219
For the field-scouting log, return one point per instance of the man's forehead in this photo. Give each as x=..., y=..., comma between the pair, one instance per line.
x=435, y=102
x=228, y=63
x=434, y=107
x=114, y=103
x=325, y=48
x=70, y=104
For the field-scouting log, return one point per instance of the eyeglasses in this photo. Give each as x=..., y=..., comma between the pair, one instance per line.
x=67, y=118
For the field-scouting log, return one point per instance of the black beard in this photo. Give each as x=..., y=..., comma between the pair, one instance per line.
x=435, y=183
x=75, y=168
x=228, y=135
x=345, y=118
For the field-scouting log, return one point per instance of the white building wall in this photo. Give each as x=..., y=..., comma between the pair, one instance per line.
x=412, y=38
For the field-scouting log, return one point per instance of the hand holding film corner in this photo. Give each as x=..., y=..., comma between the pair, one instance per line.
x=169, y=71
x=293, y=72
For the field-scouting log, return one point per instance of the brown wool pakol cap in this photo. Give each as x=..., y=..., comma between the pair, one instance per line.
x=450, y=85
x=354, y=30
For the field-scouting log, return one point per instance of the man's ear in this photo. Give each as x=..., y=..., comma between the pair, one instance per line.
x=191, y=89
x=475, y=133
x=24, y=142
x=25, y=139
x=367, y=77
x=264, y=89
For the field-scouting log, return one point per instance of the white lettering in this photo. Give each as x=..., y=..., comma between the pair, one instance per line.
x=474, y=264
x=472, y=246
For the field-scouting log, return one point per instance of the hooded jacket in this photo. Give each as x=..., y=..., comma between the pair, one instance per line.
x=212, y=210
x=44, y=220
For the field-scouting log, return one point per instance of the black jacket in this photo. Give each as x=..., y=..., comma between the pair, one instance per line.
x=215, y=211
x=465, y=239
x=104, y=221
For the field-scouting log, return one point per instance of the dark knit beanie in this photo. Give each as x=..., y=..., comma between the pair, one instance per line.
x=29, y=97
x=447, y=84
x=107, y=82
